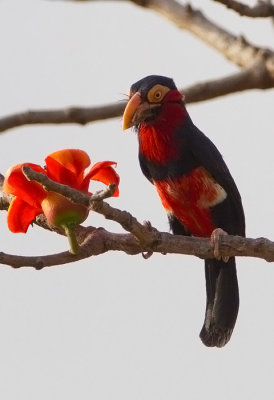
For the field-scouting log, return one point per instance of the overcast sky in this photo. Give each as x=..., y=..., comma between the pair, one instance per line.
x=115, y=326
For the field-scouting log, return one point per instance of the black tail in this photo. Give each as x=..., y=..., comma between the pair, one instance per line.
x=222, y=302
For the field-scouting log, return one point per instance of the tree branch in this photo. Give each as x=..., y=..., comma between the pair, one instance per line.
x=5, y=198
x=235, y=49
x=144, y=234
x=79, y=115
x=255, y=77
x=257, y=64
x=184, y=16
x=258, y=72
x=99, y=241
x=74, y=195
x=142, y=238
x=263, y=9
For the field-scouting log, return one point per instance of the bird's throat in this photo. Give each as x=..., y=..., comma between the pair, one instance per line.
x=159, y=140
x=157, y=145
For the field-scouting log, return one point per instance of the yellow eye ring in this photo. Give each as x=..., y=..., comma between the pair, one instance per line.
x=157, y=93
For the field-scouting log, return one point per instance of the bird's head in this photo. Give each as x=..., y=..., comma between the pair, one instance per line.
x=147, y=98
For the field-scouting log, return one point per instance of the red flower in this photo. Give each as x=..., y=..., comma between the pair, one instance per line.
x=70, y=167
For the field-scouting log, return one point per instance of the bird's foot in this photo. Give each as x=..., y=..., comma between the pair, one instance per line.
x=215, y=242
x=155, y=239
x=149, y=227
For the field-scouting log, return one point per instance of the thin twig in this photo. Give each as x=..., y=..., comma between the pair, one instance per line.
x=263, y=9
x=76, y=115
x=254, y=77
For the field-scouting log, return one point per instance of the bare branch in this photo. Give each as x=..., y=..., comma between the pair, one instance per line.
x=100, y=241
x=142, y=237
x=79, y=115
x=182, y=14
x=263, y=9
x=255, y=77
x=38, y=262
x=257, y=64
x=146, y=236
x=234, y=48
x=126, y=220
x=74, y=195
x=5, y=198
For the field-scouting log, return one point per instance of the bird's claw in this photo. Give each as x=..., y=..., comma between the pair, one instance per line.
x=148, y=225
x=147, y=255
x=215, y=242
x=150, y=228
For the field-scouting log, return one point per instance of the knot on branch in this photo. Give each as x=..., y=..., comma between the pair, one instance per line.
x=188, y=9
x=39, y=264
x=76, y=114
x=261, y=74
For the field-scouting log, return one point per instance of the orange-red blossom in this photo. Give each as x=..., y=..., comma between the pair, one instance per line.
x=70, y=167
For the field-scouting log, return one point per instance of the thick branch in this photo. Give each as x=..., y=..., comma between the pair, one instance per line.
x=141, y=238
x=236, y=49
x=182, y=14
x=100, y=241
x=263, y=9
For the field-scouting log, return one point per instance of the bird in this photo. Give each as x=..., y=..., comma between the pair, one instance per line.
x=195, y=187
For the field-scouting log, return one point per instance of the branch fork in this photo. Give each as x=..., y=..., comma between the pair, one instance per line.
x=145, y=233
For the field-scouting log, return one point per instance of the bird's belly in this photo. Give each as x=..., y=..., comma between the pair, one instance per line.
x=190, y=199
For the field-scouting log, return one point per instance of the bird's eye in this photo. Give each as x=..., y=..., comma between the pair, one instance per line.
x=157, y=93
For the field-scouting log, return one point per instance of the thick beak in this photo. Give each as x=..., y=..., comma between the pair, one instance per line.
x=130, y=110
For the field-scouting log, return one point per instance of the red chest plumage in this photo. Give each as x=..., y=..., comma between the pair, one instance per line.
x=189, y=199
x=157, y=145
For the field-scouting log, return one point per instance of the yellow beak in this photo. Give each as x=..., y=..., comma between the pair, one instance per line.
x=130, y=110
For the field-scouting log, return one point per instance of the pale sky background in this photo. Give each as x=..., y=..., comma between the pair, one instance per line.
x=115, y=326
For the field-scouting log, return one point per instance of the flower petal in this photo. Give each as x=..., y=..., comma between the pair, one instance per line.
x=67, y=166
x=104, y=172
x=58, y=173
x=20, y=215
x=17, y=184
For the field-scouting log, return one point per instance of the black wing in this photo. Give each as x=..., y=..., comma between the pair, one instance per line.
x=207, y=155
x=144, y=167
